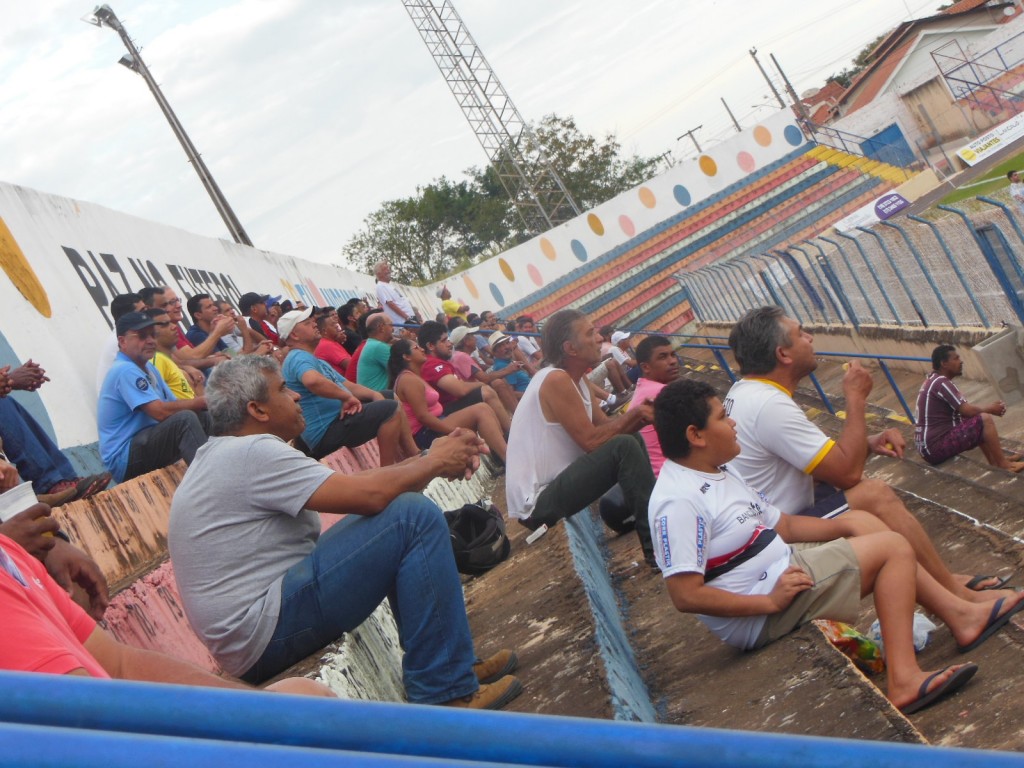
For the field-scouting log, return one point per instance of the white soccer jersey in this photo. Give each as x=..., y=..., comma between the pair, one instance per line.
x=699, y=521
x=780, y=447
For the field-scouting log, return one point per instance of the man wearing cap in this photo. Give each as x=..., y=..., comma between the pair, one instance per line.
x=503, y=348
x=622, y=353
x=363, y=414
x=463, y=341
x=450, y=306
x=142, y=425
x=253, y=306
x=392, y=300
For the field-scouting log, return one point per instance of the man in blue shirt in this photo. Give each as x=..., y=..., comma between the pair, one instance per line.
x=142, y=425
x=207, y=321
x=339, y=413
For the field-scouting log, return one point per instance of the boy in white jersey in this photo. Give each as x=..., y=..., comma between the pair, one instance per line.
x=725, y=553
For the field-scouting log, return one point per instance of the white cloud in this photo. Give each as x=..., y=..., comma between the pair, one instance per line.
x=310, y=113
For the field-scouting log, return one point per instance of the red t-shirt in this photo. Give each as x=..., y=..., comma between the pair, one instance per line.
x=43, y=629
x=182, y=340
x=434, y=369
x=353, y=364
x=333, y=354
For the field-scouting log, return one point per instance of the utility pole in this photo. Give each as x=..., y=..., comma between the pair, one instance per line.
x=692, y=137
x=103, y=16
x=801, y=108
x=775, y=91
x=731, y=116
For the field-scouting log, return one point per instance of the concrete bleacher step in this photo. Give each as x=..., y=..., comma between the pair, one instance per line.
x=800, y=684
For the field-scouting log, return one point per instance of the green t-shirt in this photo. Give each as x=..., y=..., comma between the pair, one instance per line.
x=373, y=365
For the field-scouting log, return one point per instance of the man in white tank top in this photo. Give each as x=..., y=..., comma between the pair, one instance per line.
x=563, y=451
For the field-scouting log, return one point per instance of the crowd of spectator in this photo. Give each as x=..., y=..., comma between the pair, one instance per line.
x=251, y=398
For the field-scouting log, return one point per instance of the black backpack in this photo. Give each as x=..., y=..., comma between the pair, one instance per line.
x=478, y=538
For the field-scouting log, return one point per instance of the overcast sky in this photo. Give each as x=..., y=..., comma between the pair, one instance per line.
x=310, y=113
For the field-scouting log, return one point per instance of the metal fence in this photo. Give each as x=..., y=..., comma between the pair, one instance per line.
x=957, y=271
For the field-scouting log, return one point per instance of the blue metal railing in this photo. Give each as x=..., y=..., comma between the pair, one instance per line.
x=52, y=720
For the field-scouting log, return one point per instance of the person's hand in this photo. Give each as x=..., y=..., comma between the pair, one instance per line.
x=8, y=476
x=194, y=376
x=265, y=347
x=458, y=453
x=221, y=326
x=998, y=408
x=28, y=377
x=68, y=565
x=27, y=528
x=351, y=406
x=645, y=411
x=791, y=583
x=889, y=442
x=6, y=385
x=857, y=381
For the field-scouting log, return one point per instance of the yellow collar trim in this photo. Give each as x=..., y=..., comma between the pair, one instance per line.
x=771, y=383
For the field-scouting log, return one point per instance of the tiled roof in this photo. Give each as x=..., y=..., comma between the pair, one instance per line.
x=888, y=54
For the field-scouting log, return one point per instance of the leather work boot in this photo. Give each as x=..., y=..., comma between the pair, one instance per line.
x=493, y=696
x=492, y=669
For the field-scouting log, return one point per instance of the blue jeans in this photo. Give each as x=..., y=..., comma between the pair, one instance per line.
x=404, y=554
x=30, y=449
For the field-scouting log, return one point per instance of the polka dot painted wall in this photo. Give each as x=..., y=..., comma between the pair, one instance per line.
x=624, y=220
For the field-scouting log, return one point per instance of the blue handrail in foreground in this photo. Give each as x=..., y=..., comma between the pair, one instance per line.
x=117, y=723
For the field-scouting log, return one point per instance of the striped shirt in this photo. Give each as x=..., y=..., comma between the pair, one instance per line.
x=938, y=412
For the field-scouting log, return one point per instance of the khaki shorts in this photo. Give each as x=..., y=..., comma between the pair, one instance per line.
x=835, y=594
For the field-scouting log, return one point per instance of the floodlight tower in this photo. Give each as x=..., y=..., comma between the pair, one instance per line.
x=522, y=166
x=103, y=16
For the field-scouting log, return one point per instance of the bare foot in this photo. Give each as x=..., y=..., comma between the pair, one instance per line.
x=1014, y=466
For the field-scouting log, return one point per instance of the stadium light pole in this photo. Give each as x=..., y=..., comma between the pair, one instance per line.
x=103, y=16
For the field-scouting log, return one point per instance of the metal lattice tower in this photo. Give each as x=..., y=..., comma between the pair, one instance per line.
x=521, y=164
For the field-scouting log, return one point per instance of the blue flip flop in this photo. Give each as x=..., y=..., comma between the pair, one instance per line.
x=1001, y=581
x=995, y=623
x=926, y=698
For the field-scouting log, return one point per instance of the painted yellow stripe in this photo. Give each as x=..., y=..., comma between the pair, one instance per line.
x=14, y=263
x=819, y=456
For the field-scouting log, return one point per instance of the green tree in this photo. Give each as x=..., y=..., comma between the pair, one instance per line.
x=861, y=61
x=450, y=225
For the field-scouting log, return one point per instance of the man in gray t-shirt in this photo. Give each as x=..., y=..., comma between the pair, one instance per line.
x=263, y=589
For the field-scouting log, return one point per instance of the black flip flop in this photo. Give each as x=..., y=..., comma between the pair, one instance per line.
x=996, y=621
x=1001, y=581
x=926, y=698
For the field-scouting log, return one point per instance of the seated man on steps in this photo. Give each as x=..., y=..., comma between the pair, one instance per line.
x=726, y=555
x=948, y=425
x=796, y=465
x=264, y=589
x=142, y=425
x=563, y=451
x=26, y=445
x=338, y=413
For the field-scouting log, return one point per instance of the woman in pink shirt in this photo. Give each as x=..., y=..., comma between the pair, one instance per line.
x=420, y=401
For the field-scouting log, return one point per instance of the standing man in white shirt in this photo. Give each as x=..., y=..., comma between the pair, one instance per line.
x=393, y=301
